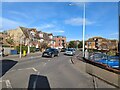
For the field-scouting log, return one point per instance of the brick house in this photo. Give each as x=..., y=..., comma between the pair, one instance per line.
x=100, y=43
x=60, y=41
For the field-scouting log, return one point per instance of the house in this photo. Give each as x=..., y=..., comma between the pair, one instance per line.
x=3, y=39
x=46, y=38
x=60, y=41
x=100, y=43
x=25, y=36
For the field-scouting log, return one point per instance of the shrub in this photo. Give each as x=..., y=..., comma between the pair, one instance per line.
x=32, y=49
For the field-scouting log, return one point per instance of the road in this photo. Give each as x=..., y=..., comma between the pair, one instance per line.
x=57, y=72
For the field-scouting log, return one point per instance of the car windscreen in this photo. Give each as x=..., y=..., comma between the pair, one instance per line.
x=49, y=49
x=69, y=49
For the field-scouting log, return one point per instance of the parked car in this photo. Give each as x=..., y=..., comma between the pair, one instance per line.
x=37, y=49
x=63, y=49
x=50, y=52
x=70, y=51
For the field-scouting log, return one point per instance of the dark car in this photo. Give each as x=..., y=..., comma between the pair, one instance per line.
x=63, y=49
x=50, y=52
x=37, y=49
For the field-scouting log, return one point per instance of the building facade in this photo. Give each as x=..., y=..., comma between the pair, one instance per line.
x=100, y=43
x=60, y=41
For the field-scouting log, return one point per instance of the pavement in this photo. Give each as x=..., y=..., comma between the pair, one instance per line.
x=57, y=72
x=28, y=56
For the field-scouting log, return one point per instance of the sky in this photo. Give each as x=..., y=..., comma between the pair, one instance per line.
x=63, y=18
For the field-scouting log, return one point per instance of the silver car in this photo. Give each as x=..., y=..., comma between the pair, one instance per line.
x=70, y=51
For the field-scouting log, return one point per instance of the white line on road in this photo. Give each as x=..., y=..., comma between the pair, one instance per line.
x=8, y=84
x=35, y=69
x=23, y=69
x=44, y=64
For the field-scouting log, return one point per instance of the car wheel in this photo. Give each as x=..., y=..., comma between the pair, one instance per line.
x=42, y=55
x=52, y=55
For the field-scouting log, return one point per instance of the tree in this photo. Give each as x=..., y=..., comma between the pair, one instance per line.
x=43, y=45
x=72, y=44
x=10, y=41
x=80, y=45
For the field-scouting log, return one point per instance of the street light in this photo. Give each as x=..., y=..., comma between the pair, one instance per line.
x=84, y=15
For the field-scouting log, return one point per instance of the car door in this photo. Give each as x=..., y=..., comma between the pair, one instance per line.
x=56, y=51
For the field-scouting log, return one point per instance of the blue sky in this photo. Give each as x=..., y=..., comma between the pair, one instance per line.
x=61, y=18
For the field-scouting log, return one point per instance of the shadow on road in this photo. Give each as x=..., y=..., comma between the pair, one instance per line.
x=37, y=81
x=5, y=65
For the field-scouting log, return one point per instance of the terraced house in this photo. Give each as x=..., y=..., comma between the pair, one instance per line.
x=31, y=37
x=24, y=36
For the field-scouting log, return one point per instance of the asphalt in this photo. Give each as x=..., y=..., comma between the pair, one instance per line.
x=57, y=72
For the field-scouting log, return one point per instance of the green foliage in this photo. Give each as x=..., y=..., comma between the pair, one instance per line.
x=32, y=49
x=72, y=44
x=43, y=46
x=10, y=41
x=5, y=45
x=80, y=45
x=111, y=53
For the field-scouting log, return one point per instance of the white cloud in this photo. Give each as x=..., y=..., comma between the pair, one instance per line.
x=46, y=26
x=59, y=31
x=114, y=34
x=54, y=31
x=71, y=39
x=78, y=21
x=10, y=24
x=20, y=14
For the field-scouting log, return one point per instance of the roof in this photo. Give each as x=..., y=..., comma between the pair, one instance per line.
x=92, y=39
x=26, y=32
x=59, y=36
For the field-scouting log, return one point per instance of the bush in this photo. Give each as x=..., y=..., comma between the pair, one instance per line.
x=32, y=49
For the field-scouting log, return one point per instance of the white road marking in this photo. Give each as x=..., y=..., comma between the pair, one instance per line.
x=23, y=69
x=44, y=64
x=48, y=60
x=2, y=81
x=35, y=69
x=8, y=84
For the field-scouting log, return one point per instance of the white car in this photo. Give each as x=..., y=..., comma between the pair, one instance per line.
x=70, y=51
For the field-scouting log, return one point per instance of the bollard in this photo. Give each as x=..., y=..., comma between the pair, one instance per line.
x=24, y=53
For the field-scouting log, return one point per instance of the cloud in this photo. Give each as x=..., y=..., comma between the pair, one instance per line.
x=79, y=4
x=114, y=34
x=46, y=26
x=20, y=14
x=78, y=21
x=54, y=31
x=59, y=31
x=10, y=24
x=72, y=39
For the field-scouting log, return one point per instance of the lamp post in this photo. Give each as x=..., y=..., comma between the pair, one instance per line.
x=21, y=46
x=83, y=28
x=84, y=14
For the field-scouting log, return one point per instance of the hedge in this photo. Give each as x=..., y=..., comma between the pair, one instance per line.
x=32, y=49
